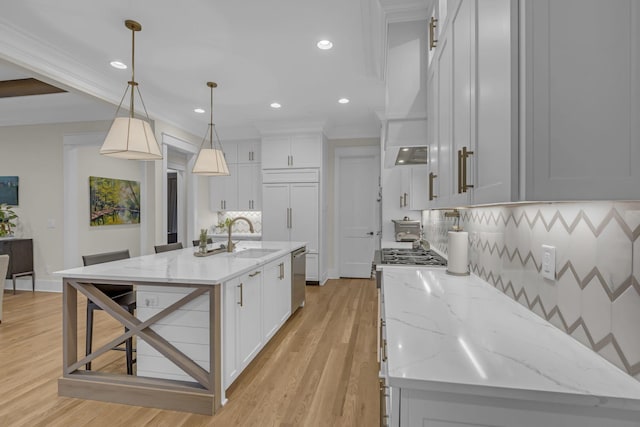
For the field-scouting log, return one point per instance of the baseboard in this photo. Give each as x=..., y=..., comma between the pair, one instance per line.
x=42, y=285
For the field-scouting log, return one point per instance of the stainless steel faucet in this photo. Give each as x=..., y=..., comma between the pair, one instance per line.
x=230, y=245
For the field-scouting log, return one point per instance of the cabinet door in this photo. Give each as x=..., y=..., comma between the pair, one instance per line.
x=443, y=184
x=432, y=132
x=418, y=177
x=460, y=34
x=305, y=214
x=223, y=190
x=248, y=186
x=230, y=150
x=250, y=318
x=276, y=152
x=231, y=306
x=582, y=99
x=277, y=295
x=494, y=166
x=275, y=212
x=306, y=151
x=248, y=152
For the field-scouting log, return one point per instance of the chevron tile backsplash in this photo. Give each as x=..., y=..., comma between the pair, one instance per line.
x=596, y=295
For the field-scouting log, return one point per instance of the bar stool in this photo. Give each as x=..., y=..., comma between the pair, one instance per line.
x=124, y=296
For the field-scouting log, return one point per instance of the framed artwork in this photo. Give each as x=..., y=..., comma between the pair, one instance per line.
x=113, y=201
x=9, y=190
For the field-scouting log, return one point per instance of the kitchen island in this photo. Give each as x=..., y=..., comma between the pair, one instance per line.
x=456, y=351
x=229, y=295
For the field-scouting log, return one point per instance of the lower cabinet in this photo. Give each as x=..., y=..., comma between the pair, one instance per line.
x=276, y=295
x=242, y=330
x=255, y=306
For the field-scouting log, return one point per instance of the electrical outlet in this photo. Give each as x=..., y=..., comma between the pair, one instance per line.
x=151, y=301
x=549, y=262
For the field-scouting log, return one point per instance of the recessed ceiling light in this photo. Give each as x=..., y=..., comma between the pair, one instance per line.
x=275, y=105
x=405, y=149
x=343, y=100
x=400, y=161
x=198, y=110
x=324, y=44
x=119, y=65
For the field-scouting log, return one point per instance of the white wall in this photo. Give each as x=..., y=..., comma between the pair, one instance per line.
x=34, y=153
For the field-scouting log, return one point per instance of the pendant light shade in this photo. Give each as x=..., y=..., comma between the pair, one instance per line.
x=130, y=137
x=210, y=160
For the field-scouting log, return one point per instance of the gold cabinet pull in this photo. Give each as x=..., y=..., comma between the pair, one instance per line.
x=465, y=156
x=432, y=176
x=401, y=201
x=241, y=300
x=255, y=273
x=460, y=167
x=384, y=350
x=433, y=24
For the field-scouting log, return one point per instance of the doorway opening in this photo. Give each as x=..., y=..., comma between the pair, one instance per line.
x=172, y=206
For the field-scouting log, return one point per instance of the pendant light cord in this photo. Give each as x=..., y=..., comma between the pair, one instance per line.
x=211, y=120
x=133, y=71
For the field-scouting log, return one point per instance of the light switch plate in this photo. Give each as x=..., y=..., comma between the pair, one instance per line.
x=549, y=262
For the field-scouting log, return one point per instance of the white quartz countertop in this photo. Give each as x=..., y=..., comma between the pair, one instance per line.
x=459, y=334
x=181, y=266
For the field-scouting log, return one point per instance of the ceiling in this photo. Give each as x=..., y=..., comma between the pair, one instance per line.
x=258, y=52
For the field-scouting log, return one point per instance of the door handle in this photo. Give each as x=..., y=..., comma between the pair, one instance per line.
x=465, y=156
x=432, y=176
x=401, y=201
x=240, y=286
x=460, y=168
x=281, y=276
x=370, y=233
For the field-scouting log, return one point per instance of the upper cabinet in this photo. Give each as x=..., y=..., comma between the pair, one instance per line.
x=525, y=104
x=472, y=103
x=582, y=102
x=292, y=151
x=241, y=190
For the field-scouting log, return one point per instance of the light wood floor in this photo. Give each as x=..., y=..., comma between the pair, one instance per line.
x=320, y=369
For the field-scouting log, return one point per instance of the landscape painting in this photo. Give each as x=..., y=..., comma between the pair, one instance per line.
x=9, y=190
x=113, y=201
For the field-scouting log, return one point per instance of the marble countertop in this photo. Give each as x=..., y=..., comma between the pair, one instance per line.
x=461, y=335
x=181, y=266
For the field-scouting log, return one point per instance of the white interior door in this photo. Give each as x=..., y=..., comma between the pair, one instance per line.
x=358, y=218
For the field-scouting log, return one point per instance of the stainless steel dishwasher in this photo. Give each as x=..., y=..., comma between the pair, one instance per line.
x=298, y=278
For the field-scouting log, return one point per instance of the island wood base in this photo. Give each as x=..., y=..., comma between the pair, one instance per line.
x=203, y=396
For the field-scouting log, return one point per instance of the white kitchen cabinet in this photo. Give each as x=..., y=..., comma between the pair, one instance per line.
x=248, y=151
x=582, y=99
x=230, y=312
x=414, y=194
x=292, y=151
x=472, y=99
x=250, y=316
x=290, y=213
x=242, y=323
x=223, y=190
x=249, y=188
x=276, y=295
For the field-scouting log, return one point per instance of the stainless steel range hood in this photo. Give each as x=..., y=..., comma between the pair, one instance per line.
x=408, y=156
x=405, y=142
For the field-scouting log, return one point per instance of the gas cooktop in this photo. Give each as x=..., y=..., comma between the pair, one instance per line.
x=393, y=256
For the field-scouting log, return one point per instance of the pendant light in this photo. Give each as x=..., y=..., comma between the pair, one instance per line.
x=211, y=161
x=130, y=137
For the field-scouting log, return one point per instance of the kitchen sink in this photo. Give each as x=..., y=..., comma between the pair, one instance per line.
x=255, y=253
